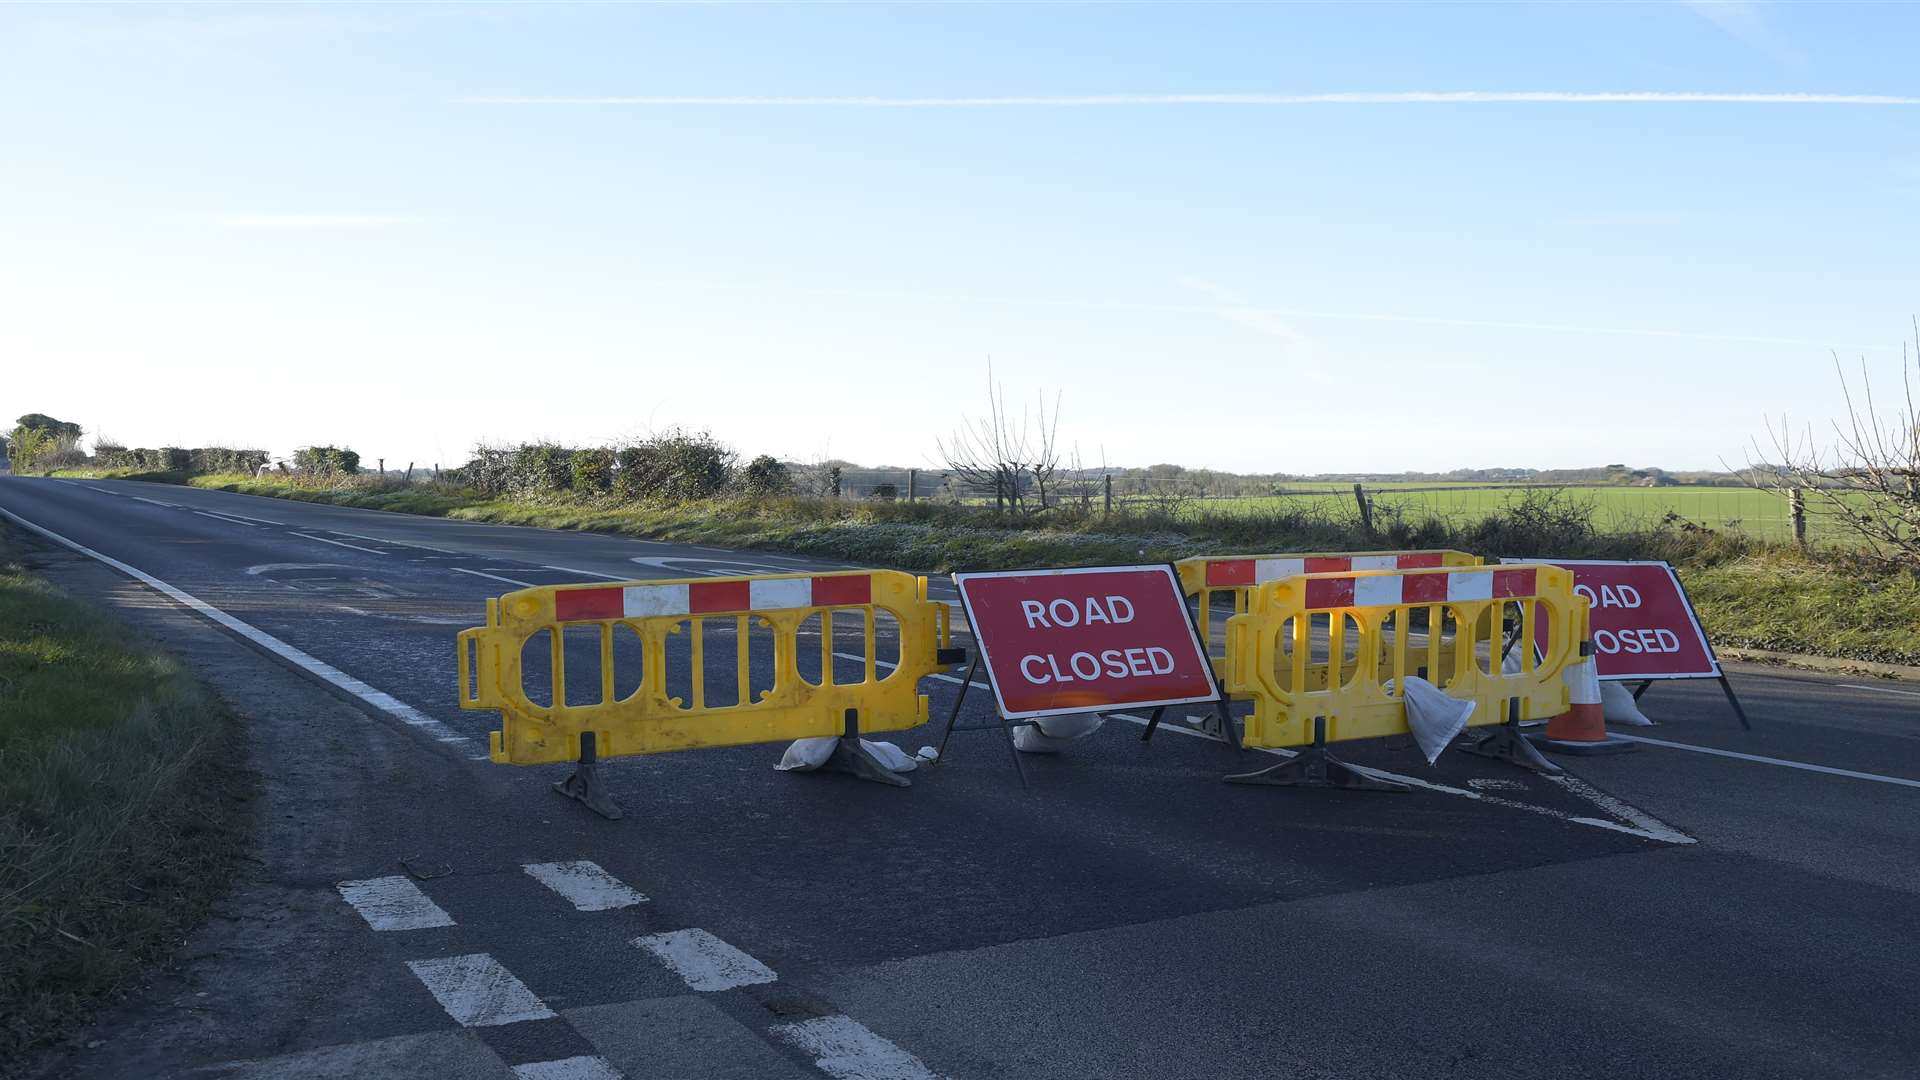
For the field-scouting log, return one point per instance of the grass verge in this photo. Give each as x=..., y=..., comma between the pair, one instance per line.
x=124, y=806
x=1748, y=594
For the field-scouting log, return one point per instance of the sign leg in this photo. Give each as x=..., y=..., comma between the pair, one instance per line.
x=1019, y=769
x=965, y=685
x=1152, y=722
x=1645, y=685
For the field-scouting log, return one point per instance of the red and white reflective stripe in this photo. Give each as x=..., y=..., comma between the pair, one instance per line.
x=1583, y=683
x=1390, y=590
x=711, y=597
x=1226, y=573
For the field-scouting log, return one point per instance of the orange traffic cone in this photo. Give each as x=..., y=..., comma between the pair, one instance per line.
x=1582, y=729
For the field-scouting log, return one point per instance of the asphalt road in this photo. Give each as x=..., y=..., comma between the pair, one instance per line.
x=1672, y=912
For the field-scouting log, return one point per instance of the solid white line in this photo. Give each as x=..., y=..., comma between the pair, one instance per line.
x=583, y=1067
x=379, y=699
x=225, y=518
x=1880, y=689
x=585, y=885
x=1782, y=762
x=496, y=577
x=704, y=962
x=845, y=1049
x=393, y=903
x=478, y=992
x=336, y=543
x=589, y=573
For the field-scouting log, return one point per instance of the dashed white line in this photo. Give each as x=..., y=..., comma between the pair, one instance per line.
x=242, y=517
x=496, y=577
x=156, y=502
x=225, y=518
x=704, y=962
x=101, y=490
x=585, y=885
x=478, y=992
x=584, y=1067
x=379, y=699
x=336, y=543
x=845, y=1049
x=393, y=903
x=1880, y=689
x=1782, y=762
x=590, y=573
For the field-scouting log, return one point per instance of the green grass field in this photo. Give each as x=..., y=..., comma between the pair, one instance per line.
x=1761, y=515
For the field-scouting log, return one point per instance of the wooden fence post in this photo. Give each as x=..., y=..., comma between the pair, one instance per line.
x=1366, y=508
x=913, y=475
x=1107, y=496
x=1797, y=510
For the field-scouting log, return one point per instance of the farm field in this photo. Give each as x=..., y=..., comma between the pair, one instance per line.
x=1759, y=514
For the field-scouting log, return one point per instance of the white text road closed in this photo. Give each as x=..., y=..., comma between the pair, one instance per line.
x=1640, y=622
x=1060, y=641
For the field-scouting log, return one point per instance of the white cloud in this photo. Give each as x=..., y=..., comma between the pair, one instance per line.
x=1401, y=97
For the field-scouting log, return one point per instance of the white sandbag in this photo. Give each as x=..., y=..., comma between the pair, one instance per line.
x=1618, y=707
x=1433, y=717
x=891, y=756
x=1051, y=734
x=807, y=754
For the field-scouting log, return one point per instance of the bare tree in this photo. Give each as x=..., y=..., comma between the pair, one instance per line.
x=1868, y=482
x=1018, y=460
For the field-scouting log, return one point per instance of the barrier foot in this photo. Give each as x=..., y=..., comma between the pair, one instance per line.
x=1314, y=767
x=855, y=760
x=584, y=784
x=1507, y=743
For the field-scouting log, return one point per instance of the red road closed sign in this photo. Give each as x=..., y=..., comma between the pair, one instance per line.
x=1643, y=625
x=1086, y=639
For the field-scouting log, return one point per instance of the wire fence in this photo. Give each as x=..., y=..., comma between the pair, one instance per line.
x=1762, y=515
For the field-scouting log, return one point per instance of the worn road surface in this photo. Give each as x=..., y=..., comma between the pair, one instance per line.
x=1719, y=903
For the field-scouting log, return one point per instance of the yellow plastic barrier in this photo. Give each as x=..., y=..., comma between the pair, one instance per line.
x=1239, y=576
x=1376, y=628
x=650, y=721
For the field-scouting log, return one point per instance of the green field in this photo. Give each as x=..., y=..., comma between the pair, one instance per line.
x=1759, y=514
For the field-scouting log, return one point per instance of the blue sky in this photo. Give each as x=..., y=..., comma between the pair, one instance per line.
x=410, y=227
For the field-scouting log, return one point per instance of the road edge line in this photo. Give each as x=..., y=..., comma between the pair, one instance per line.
x=307, y=662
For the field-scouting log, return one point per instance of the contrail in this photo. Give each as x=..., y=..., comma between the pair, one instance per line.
x=1403, y=97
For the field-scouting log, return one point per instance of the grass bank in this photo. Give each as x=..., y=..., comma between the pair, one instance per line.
x=1749, y=594
x=124, y=807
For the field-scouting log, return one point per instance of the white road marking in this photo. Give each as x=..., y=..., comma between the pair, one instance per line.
x=156, y=502
x=478, y=992
x=1881, y=689
x=1782, y=762
x=337, y=543
x=101, y=490
x=1652, y=830
x=496, y=577
x=704, y=962
x=585, y=885
x=379, y=699
x=573, y=1068
x=242, y=517
x=589, y=573
x=393, y=903
x=1643, y=823
x=225, y=518
x=845, y=1049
